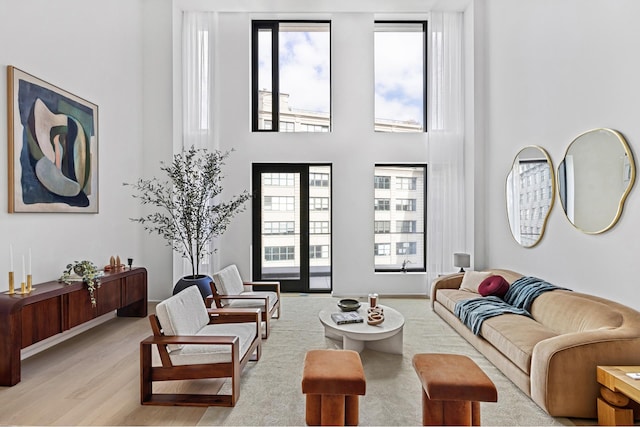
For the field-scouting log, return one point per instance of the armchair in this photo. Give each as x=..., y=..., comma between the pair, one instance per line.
x=195, y=342
x=230, y=291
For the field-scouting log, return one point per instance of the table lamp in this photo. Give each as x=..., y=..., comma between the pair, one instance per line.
x=462, y=261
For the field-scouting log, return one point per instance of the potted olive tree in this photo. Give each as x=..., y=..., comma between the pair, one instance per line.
x=189, y=213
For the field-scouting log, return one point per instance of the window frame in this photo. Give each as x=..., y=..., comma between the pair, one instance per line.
x=273, y=25
x=425, y=56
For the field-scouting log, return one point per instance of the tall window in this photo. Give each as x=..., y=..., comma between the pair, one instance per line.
x=400, y=76
x=291, y=76
x=399, y=232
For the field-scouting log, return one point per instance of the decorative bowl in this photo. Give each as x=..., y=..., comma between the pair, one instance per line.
x=349, y=304
x=374, y=318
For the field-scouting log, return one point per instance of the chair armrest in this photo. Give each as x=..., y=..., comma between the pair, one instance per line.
x=190, y=339
x=234, y=315
x=275, y=286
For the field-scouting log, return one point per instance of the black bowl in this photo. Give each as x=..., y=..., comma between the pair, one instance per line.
x=349, y=304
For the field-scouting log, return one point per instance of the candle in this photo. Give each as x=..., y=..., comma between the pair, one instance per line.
x=24, y=276
x=29, y=261
x=11, y=255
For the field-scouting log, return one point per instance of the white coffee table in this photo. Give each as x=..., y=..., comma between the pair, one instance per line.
x=385, y=337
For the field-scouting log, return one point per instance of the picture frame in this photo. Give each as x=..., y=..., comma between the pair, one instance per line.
x=52, y=147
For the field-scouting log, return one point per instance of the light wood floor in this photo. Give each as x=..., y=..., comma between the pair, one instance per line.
x=91, y=379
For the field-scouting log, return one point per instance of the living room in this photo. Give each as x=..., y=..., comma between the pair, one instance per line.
x=536, y=73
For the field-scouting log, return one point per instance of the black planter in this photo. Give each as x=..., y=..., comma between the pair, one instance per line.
x=200, y=280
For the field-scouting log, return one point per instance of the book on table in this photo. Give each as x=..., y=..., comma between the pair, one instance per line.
x=348, y=317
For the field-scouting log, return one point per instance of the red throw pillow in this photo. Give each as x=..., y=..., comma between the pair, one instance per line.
x=493, y=285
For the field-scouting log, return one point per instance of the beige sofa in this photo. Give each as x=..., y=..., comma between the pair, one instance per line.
x=552, y=356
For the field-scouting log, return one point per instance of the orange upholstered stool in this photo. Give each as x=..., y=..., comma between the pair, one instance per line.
x=452, y=388
x=332, y=381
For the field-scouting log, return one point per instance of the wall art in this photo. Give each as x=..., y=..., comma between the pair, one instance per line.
x=53, y=147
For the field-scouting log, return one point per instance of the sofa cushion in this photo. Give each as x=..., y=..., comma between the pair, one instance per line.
x=182, y=314
x=493, y=285
x=472, y=280
x=228, y=281
x=567, y=312
x=515, y=336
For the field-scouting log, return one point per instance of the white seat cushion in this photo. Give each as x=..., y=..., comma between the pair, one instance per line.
x=254, y=303
x=228, y=281
x=182, y=314
x=196, y=354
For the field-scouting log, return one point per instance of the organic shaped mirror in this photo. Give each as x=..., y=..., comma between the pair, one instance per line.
x=594, y=179
x=530, y=194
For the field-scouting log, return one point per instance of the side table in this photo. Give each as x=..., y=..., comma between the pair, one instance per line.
x=617, y=389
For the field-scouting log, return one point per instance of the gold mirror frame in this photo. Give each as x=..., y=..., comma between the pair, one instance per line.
x=540, y=180
x=596, y=174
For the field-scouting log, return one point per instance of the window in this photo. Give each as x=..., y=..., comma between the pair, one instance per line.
x=278, y=179
x=404, y=183
x=279, y=253
x=382, y=249
x=382, y=204
x=399, y=233
x=318, y=203
x=406, y=204
x=382, y=182
x=278, y=227
x=275, y=203
x=318, y=227
x=318, y=251
x=293, y=61
x=319, y=179
x=382, y=227
x=400, y=76
x=406, y=226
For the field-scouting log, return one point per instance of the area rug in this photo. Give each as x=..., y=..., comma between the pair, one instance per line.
x=271, y=393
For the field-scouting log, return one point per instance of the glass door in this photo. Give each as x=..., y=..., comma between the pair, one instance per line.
x=292, y=226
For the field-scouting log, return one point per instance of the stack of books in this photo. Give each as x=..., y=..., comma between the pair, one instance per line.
x=348, y=317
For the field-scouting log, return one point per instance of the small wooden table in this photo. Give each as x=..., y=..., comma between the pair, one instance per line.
x=618, y=388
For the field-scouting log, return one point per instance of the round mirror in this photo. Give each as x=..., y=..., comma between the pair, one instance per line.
x=530, y=193
x=594, y=179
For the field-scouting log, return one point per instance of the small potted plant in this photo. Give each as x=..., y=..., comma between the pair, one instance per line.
x=85, y=271
x=190, y=213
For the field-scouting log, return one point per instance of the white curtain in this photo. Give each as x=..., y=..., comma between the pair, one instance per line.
x=197, y=79
x=446, y=231
x=197, y=96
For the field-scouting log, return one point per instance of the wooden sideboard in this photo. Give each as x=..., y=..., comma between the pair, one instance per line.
x=53, y=307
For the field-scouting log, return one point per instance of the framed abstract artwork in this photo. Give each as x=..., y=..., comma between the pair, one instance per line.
x=53, y=147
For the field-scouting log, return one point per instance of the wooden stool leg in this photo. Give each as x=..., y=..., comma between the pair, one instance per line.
x=432, y=411
x=313, y=409
x=332, y=412
x=351, y=410
x=457, y=413
x=475, y=413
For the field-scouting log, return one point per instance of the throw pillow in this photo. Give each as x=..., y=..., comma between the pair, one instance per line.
x=493, y=285
x=472, y=280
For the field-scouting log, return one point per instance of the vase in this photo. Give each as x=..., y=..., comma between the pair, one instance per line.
x=202, y=281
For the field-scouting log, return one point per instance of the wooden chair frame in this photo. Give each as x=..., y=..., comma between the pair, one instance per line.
x=267, y=314
x=169, y=372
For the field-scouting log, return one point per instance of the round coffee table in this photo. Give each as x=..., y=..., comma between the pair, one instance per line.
x=385, y=337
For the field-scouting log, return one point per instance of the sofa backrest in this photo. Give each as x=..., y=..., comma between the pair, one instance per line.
x=566, y=312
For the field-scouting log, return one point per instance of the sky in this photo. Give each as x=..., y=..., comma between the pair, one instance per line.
x=305, y=72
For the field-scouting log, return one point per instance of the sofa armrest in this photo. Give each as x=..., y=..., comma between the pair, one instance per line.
x=563, y=368
x=450, y=281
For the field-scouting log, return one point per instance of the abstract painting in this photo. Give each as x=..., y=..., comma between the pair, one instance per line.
x=53, y=147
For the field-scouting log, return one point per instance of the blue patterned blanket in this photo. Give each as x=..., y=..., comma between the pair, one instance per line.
x=473, y=312
x=518, y=300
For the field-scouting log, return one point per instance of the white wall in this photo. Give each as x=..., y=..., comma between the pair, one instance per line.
x=91, y=49
x=555, y=69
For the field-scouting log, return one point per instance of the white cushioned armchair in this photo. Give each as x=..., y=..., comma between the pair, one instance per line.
x=195, y=342
x=230, y=291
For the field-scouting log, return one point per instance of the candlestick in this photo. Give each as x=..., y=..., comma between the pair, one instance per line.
x=29, y=283
x=22, y=288
x=11, y=286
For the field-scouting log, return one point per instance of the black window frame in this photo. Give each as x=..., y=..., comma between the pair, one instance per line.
x=273, y=26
